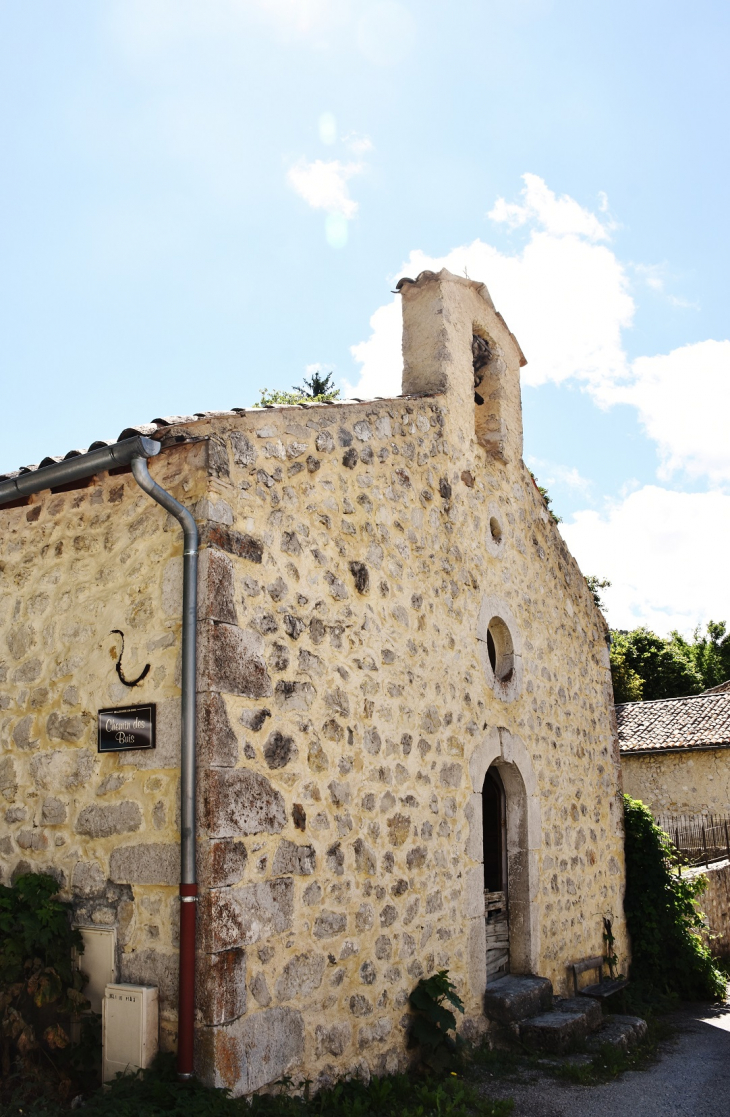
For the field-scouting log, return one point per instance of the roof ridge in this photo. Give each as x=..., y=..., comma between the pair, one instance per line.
x=161, y=425
x=679, y=698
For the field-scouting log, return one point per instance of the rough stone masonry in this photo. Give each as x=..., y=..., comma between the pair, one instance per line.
x=386, y=611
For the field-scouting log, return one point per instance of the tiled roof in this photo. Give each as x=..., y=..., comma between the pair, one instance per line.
x=700, y=722
x=718, y=689
x=162, y=428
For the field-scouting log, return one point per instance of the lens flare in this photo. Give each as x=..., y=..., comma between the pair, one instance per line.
x=335, y=230
x=328, y=128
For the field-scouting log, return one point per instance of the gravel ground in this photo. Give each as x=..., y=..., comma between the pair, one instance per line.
x=690, y=1079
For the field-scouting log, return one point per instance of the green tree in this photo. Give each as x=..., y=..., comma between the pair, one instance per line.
x=662, y=916
x=710, y=653
x=628, y=686
x=666, y=668
x=318, y=389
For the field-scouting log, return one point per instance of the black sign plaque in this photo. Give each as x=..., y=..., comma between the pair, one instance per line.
x=127, y=728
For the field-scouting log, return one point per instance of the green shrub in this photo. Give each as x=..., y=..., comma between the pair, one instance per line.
x=319, y=389
x=662, y=914
x=156, y=1092
x=434, y=1022
x=40, y=990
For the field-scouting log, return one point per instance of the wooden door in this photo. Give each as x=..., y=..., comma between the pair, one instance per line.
x=496, y=912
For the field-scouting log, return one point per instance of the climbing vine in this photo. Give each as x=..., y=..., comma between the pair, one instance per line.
x=662, y=915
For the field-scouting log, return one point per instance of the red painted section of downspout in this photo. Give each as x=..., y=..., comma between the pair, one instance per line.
x=186, y=996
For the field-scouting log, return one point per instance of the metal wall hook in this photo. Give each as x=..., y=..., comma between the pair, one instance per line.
x=120, y=672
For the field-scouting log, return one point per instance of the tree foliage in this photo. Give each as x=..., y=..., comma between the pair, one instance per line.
x=318, y=389
x=647, y=666
x=628, y=685
x=662, y=915
x=595, y=585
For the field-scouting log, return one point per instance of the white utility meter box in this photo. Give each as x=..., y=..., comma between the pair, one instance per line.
x=129, y=1028
x=98, y=962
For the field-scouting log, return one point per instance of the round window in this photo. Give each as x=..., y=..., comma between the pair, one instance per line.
x=495, y=537
x=500, y=650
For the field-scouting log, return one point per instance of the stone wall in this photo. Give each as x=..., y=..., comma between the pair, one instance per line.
x=76, y=565
x=354, y=558
x=715, y=905
x=695, y=781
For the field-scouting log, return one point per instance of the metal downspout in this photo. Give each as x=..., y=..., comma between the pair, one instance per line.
x=188, y=879
x=134, y=452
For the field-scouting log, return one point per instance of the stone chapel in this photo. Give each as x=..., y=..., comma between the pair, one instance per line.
x=407, y=758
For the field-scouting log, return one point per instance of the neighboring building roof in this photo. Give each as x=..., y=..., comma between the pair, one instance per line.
x=672, y=724
x=720, y=689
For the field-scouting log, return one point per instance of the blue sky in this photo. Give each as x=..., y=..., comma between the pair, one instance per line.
x=201, y=199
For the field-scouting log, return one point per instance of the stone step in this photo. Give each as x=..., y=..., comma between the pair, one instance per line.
x=554, y=1032
x=516, y=997
x=585, y=1006
x=623, y=1032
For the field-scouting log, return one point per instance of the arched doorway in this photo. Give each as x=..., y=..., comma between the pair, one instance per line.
x=496, y=874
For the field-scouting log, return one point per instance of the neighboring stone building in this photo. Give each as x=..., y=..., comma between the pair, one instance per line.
x=675, y=753
x=390, y=625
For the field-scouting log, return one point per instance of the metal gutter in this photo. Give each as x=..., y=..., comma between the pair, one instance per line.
x=77, y=467
x=665, y=749
x=135, y=452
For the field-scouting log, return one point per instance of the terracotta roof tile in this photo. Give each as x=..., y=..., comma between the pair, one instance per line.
x=699, y=722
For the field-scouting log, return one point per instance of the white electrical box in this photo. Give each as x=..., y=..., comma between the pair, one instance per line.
x=130, y=1027
x=98, y=962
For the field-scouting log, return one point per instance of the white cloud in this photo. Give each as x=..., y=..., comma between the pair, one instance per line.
x=559, y=216
x=655, y=277
x=652, y=275
x=565, y=297
x=358, y=144
x=380, y=355
x=568, y=300
x=683, y=399
x=323, y=184
x=665, y=553
x=552, y=473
